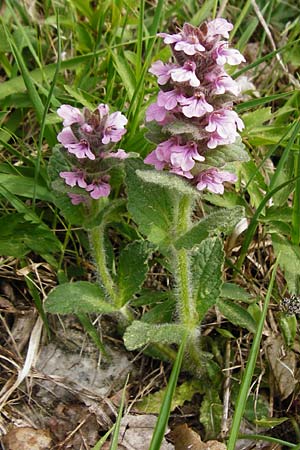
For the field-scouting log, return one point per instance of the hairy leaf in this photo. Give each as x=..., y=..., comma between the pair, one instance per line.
x=167, y=180
x=220, y=221
x=289, y=260
x=133, y=268
x=226, y=154
x=207, y=263
x=236, y=314
x=139, y=334
x=78, y=297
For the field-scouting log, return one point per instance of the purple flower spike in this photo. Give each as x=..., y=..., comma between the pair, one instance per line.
x=114, y=128
x=70, y=115
x=185, y=42
x=99, y=189
x=186, y=74
x=213, y=180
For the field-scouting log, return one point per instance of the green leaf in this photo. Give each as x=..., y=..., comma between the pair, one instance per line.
x=139, y=334
x=289, y=260
x=151, y=206
x=256, y=118
x=211, y=413
x=220, y=221
x=207, y=264
x=18, y=237
x=227, y=154
x=257, y=186
x=167, y=180
x=151, y=404
x=236, y=314
x=125, y=72
x=192, y=131
x=288, y=325
x=25, y=187
x=133, y=268
x=78, y=297
x=235, y=292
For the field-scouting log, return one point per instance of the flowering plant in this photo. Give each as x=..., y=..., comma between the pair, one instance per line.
x=197, y=147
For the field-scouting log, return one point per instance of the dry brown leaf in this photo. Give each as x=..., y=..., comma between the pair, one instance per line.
x=27, y=438
x=187, y=439
x=283, y=363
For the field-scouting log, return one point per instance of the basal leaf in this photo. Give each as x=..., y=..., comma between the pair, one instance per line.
x=139, y=334
x=220, y=221
x=211, y=413
x=133, y=268
x=207, y=263
x=235, y=292
x=78, y=297
x=236, y=314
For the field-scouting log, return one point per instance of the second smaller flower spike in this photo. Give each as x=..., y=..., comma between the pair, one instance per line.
x=89, y=138
x=194, y=105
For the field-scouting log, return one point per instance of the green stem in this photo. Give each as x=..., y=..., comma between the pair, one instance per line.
x=186, y=308
x=96, y=236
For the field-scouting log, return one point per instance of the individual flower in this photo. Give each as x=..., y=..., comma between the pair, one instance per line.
x=218, y=27
x=221, y=82
x=162, y=71
x=225, y=55
x=79, y=148
x=186, y=41
x=184, y=156
x=114, y=128
x=224, y=122
x=161, y=156
x=195, y=106
x=169, y=99
x=186, y=73
x=98, y=189
x=70, y=115
x=155, y=112
x=213, y=179
x=74, y=178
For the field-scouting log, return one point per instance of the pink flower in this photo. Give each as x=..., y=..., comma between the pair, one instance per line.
x=184, y=156
x=221, y=82
x=186, y=73
x=98, y=189
x=215, y=140
x=223, y=55
x=169, y=99
x=186, y=41
x=81, y=148
x=155, y=112
x=114, y=128
x=224, y=122
x=70, y=115
x=76, y=199
x=162, y=71
x=160, y=157
x=212, y=179
x=218, y=27
x=195, y=106
x=73, y=178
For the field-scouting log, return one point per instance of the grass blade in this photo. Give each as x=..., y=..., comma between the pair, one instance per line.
x=295, y=235
x=164, y=414
x=247, y=377
x=115, y=438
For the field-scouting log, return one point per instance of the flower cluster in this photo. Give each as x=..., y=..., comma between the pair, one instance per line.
x=89, y=137
x=196, y=94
